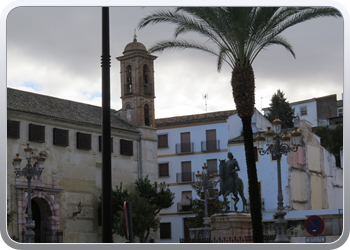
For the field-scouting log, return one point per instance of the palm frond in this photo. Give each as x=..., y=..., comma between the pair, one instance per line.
x=235, y=35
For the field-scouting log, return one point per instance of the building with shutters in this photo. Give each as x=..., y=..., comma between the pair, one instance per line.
x=70, y=133
x=311, y=181
x=185, y=144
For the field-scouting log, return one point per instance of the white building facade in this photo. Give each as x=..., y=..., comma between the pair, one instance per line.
x=206, y=136
x=317, y=111
x=310, y=179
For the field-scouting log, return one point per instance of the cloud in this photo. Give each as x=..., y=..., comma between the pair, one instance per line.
x=56, y=51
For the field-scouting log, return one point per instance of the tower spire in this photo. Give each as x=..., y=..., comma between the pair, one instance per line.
x=135, y=40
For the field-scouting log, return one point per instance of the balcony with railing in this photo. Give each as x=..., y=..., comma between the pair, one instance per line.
x=182, y=207
x=185, y=177
x=184, y=148
x=211, y=145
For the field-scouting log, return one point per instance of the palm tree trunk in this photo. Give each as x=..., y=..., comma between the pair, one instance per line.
x=254, y=192
x=243, y=88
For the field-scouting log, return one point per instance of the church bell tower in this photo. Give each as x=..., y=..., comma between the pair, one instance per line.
x=137, y=84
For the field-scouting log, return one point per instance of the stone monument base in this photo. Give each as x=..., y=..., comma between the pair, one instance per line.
x=230, y=224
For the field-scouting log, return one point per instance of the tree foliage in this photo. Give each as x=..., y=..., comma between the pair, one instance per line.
x=332, y=140
x=214, y=205
x=280, y=108
x=146, y=201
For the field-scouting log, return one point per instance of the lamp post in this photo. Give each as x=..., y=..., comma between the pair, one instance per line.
x=276, y=146
x=33, y=169
x=205, y=182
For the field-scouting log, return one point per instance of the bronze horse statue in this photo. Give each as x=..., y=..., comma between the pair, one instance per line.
x=227, y=186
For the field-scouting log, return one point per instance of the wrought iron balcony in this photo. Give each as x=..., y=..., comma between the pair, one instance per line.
x=185, y=177
x=183, y=148
x=184, y=207
x=211, y=145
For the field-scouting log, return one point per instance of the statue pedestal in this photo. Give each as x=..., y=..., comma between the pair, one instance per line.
x=230, y=224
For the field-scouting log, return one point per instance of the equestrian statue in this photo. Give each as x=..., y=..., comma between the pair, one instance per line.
x=230, y=181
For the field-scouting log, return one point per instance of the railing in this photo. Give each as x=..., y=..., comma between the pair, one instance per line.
x=212, y=145
x=183, y=208
x=238, y=239
x=185, y=177
x=183, y=148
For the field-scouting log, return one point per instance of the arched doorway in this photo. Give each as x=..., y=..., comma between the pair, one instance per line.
x=37, y=220
x=41, y=215
x=45, y=211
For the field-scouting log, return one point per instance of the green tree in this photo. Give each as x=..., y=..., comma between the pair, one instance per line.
x=236, y=35
x=280, y=108
x=213, y=205
x=332, y=140
x=146, y=201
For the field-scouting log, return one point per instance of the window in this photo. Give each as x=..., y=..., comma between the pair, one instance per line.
x=83, y=141
x=212, y=166
x=145, y=74
x=185, y=203
x=100, y=144
x=211, y=140
x=186, y=174
x=128, y=85
x=185, y=142
x=163, y=141
x=303, y=110
x=36, y=133
x=147, y=115
x=165, y=230
x=13, y=129
x=60, y=137
x=340, y=111
x=163, y=169
x=126, y=147
x=147, y=85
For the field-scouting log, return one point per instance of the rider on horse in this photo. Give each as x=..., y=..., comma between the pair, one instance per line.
x=232, y=167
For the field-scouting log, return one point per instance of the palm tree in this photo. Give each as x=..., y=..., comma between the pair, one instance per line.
x=236, y=35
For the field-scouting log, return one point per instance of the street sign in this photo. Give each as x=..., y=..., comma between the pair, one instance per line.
x=315, y=239
x=314, y=225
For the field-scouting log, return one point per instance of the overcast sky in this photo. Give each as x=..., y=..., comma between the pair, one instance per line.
x=56, y=51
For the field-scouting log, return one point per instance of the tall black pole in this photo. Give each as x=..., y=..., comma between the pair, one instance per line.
x=106, y=133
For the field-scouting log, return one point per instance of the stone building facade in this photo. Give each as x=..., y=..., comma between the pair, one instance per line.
x=70, y=134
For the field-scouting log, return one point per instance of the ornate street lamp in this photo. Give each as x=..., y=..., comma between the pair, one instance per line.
x=276, y=146
x=205, y=182
x=33, y=169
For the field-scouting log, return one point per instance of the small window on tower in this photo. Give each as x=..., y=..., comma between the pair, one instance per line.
x=128, y=83
x=147, y=115
x=147, y=85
